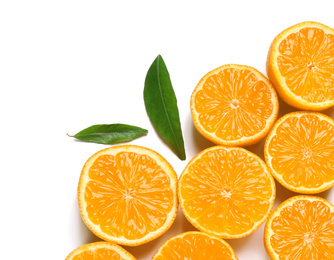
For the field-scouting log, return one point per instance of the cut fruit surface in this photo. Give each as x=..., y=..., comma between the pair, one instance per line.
x=227, y=192
x=300, y=64
x=100, y=251
x=300, y=151
x=128, y=194
x=234, y=105
x=195, y=246
x=301, y=228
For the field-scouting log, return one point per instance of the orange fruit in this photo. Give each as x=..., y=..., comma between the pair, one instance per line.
x=100, y=251
x=227, y=192
x=300, y=64
x=128, y=194
x=234, y=105
x=300, y=151
x=301, y=228
x=195, y=246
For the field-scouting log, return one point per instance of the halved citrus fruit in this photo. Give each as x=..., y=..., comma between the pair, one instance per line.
x=99, y=251
x=234, y=105
x=300, y=64
x=300, y=151
x=128, y=194
x=301, y=228
x=195, y=246
x=227, y=192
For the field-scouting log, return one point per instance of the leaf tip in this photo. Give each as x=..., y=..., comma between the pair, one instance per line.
x=182, y=154
x=159, y=57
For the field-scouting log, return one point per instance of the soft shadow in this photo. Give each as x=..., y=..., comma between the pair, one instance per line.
x=284, y=108
x=239, y=244
x=184, y=224
x=257, y=148
x=199, y=141
x=180, y=225
x=325, y=194
x=144, y=251
x=86, y=235
x=195, y=142
x=329, y=112
x=283, y=193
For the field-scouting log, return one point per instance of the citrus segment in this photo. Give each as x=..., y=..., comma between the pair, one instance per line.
x=127, y=194
x=301, y=227
x=300, y=151
x=300, y=64
x=195, y=246
x=234, y=105
x=227, y=192
x=100, y=251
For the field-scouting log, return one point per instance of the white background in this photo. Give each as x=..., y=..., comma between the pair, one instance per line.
x=66, y=65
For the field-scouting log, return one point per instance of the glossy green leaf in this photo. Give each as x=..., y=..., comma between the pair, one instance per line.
x=109, y=134
x=161, y=106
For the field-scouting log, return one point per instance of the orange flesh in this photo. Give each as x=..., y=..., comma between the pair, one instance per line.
x=128, y=195
x=194, y=247
x=304, y=230
x=303, y=151
x=306, y=61
x=226, y=191
x=98, y=254
x=233, y=104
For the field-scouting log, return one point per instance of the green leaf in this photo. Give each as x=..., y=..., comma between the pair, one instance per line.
x=161, y=106
x=109, y=134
